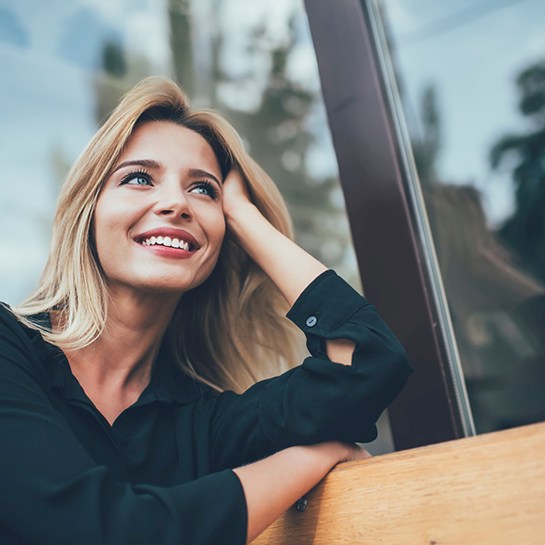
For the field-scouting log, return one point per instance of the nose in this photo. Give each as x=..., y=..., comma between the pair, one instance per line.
x=172, y=201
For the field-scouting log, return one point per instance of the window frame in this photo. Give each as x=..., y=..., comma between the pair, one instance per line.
x=387, y=218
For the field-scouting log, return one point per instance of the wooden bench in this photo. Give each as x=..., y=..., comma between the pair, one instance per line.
x=488, y=489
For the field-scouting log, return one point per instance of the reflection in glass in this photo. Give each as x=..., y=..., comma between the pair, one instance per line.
x=66, y=66
x=66, y=63
x=475, y=112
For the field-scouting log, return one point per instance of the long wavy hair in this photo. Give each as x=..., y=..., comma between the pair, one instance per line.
x=231, y=330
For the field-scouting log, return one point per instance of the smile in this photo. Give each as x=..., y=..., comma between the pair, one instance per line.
x=168, y=242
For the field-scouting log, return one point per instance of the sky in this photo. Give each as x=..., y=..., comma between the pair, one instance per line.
x=49, y=54
x=471, y=51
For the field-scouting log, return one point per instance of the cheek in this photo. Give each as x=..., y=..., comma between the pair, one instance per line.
x=215, y=233
x=101, y=228
x=219, y=231
x=115, y=213
x=97, y=233
x=109, y=222
x=212, y=221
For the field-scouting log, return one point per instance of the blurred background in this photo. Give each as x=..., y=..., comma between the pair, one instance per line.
x=65, y=63
x=470, y=79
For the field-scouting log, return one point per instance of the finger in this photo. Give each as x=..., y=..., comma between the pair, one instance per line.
x=360, y=453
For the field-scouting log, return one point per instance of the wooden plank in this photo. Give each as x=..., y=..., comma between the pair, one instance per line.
x=488, y=489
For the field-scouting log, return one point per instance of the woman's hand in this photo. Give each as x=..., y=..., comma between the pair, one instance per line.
x=290, y=267
x=353, y=452
x=286, y=264
x=235, y=194
x=338, y=452
x=275, y=483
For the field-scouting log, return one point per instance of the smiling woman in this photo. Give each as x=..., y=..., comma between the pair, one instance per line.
x=177, y=197
x=125, y=410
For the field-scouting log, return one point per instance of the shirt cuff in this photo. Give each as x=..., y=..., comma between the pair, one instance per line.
x=323, y=306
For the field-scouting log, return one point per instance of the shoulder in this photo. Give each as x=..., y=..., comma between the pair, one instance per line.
x=20, y=345
x=8, y=320
x=10, y=324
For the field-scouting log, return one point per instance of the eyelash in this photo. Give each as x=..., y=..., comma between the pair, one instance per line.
x=136, y=174
x=141, y=173
x=212, y=191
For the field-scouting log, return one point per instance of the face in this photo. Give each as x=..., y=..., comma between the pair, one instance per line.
x=159, y=222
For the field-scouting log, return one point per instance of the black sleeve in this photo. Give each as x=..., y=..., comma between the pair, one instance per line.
x=51, y=491
x=319, y=400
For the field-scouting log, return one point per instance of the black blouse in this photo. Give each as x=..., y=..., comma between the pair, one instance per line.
x=162, y=473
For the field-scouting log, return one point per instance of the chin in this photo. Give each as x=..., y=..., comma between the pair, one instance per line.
x=173, y=284
x=174, y=281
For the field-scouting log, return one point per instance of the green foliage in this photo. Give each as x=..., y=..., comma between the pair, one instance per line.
x=276, y=132
x=278, y=136
x=179, y=17
x=524, y=231
x=426, y=148
x=113, y=59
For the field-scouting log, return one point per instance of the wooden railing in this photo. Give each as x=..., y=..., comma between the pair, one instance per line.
x=488, y=489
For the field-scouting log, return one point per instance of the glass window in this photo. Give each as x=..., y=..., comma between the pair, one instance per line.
x=65, y=64
x=471, y=83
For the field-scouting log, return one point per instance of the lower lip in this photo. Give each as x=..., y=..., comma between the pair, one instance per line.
x=166, y=251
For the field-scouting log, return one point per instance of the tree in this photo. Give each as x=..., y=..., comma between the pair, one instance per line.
x=278, y=137
x=179, y=16
x=426, y=148
x=524, y=231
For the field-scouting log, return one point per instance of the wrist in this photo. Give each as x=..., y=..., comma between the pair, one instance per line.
x=244, y=209
x=331, y=452
x=244, y=219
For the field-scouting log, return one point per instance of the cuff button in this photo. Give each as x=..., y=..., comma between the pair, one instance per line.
x=311, y=321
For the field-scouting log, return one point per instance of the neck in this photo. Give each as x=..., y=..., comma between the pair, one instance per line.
x=118, y=364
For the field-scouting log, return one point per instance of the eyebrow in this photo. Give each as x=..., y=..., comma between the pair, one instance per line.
x=150, y=163
x=146, y=163
x=199, y=173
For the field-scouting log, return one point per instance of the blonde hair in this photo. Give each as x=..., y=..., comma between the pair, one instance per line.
x=231, y=330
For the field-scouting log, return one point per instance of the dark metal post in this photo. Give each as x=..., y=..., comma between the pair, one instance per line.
x=390, y=254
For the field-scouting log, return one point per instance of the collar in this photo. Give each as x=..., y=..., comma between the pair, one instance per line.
x=168, y=384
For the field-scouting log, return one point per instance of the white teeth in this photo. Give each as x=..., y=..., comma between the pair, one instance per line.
x=167, y=241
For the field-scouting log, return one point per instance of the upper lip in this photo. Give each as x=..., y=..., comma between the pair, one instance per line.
x=171, y=232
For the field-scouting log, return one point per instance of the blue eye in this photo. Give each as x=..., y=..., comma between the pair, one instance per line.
x=137, y=178
x=205, y=188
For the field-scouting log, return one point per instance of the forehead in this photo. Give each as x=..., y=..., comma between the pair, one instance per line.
x=171, y=144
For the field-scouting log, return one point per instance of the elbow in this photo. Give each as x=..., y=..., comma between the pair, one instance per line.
x=394, y=371
x=325, y=401
x=400, y=368
x=381, y=379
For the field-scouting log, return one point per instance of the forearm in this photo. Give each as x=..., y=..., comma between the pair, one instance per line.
x=275, y=483
x=290, y=267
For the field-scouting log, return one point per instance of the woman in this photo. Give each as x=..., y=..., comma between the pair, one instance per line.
x=170, y=266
